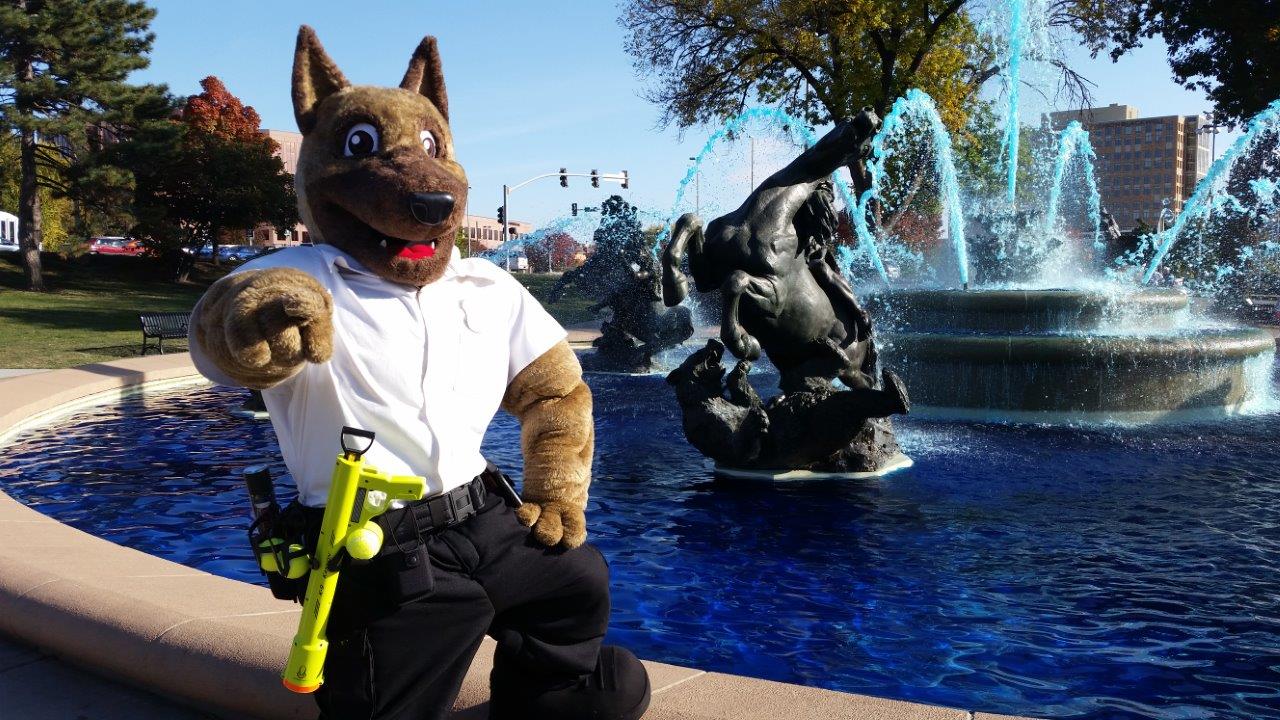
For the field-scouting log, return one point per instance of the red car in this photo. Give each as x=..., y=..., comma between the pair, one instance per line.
x=114, y=246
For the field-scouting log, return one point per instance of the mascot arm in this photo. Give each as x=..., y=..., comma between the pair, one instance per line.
x=557, y=436
x=260, y=327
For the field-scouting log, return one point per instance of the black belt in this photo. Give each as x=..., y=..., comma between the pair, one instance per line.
x=436, y=513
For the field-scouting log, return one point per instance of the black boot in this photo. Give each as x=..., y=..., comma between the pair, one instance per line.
x=618, y=689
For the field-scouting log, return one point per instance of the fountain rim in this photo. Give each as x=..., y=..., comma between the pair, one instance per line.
x=134, y=617
x=1039, y=299
x=1204, y=345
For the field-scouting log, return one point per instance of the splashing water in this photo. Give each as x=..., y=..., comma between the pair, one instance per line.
x=577, y=227
x=917, y=106
x=1073, y=142
x=770, y=117
x=1012, y=82
x=1211, y=193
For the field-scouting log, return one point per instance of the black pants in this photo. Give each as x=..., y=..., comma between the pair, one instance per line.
x=548, y=609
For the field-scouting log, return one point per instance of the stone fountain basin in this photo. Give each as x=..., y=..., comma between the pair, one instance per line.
x=1051, y=310
x=1068, y=355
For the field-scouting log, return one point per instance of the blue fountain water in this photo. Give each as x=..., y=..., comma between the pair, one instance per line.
x=1073, y=143
x=1211, y=193
x=916, y=108
x=1091, y=574
x=581, y=226
x=1012, y=74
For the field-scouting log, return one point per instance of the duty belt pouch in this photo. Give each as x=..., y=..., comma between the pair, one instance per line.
x=289, y=527
x=403, y=562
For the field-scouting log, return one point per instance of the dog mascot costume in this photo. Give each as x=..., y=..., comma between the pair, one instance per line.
x=379, y=327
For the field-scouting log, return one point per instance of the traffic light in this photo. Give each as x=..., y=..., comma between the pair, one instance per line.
x=626, y=180
x=575, y=209
x=502, y=215
x=564, y=177
x=595, y=179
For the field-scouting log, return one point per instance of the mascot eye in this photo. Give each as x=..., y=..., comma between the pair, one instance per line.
x=362, y=139
x=429, y=143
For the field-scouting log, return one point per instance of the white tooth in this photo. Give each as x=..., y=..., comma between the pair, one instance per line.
x=383, y=243
x=434, y=243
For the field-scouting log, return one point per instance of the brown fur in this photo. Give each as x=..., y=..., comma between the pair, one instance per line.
x=353, y=202
x=557, y=436
x=260, y=326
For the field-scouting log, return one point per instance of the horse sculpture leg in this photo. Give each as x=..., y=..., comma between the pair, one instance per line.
x=764, y=295
x=827, y=274
x=686, y=236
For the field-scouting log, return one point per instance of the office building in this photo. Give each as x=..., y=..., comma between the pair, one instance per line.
x=1141, y=161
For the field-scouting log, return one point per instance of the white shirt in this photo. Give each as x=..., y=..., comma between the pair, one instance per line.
x=424, y=369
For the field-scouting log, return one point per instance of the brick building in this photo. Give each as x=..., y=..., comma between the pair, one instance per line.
x=484, y=232
x=1142, y=161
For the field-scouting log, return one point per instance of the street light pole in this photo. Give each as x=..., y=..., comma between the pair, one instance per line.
x=506, y=193
x=620, y=177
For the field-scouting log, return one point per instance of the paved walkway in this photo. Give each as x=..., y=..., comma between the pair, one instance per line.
x=15, y=372
x=37, y=686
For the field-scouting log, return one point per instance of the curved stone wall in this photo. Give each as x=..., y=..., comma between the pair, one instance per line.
x=1068, y=355
x=218, y=644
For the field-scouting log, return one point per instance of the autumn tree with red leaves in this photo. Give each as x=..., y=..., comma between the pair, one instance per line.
x=203, y=171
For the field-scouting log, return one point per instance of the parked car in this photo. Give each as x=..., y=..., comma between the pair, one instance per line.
x=237, y=253
x=114, y=246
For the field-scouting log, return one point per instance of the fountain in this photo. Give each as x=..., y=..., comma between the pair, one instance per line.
x=622, y=275
x=1046, y=332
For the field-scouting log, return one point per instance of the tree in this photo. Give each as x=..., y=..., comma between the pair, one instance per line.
x=203, y=171
x=462, y=242
x=822, y=60
x=560, y=246
x=1229, y=49
x=62, y=65
x=225, y=133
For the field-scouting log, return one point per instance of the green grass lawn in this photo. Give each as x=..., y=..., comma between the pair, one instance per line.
x=90, y=313
x=569, y=310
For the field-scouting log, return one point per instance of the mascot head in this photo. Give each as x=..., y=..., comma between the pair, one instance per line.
x=376, y=174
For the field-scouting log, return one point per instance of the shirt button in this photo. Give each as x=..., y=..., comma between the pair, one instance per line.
x=411, y=560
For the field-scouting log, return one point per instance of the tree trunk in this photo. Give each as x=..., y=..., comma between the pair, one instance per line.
x=213, y=245
x=916, y=183
x=29, y=214
x=29, y=233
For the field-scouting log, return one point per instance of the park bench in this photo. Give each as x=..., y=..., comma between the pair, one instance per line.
x=162, y=325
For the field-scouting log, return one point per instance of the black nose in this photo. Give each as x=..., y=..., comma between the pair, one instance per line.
x=431, y=208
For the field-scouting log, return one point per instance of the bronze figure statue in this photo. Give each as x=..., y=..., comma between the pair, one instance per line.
x=773, y=261
x=622, y=275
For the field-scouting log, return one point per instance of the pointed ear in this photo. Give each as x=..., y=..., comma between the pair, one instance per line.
x=426, y=77
x=315, y=78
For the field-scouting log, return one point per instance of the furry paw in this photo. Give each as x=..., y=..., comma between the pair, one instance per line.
x=554, y=523
x=261, y=326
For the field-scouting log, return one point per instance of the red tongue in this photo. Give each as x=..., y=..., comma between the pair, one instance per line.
x=416, y=251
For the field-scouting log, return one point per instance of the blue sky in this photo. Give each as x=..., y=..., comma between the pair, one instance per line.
x=533, y=86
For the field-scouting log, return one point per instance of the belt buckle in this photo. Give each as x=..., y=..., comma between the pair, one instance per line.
x=460, y=502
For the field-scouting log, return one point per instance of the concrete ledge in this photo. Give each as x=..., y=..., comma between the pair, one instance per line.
x=218, y=645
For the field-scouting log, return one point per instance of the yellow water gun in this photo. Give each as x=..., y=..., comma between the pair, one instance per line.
x=344, y=534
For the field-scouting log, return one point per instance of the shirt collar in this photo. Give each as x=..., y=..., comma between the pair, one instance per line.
x=345, y=263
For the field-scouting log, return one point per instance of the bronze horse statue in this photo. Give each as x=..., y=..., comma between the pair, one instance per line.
x=773, y=261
